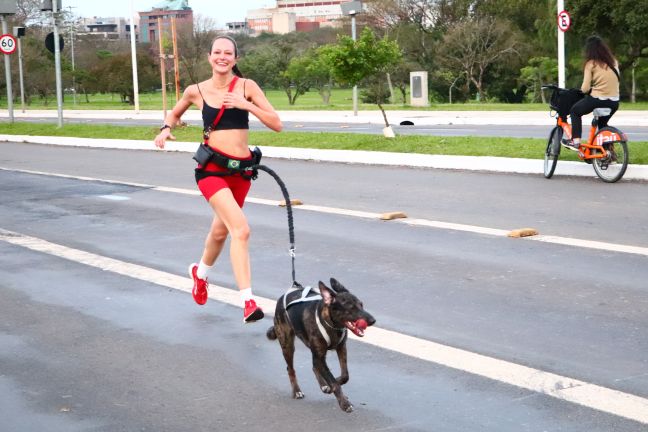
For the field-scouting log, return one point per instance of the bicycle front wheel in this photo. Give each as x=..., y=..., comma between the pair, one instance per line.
x=614, y=163
x=552, y=151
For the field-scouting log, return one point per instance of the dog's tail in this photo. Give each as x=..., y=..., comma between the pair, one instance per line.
x=271, y=334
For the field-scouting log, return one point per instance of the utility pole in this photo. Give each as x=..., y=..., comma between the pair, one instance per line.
x=72, y=32
x=56, y=13
x=175, y=58
x=134, y=58
x=162, y=67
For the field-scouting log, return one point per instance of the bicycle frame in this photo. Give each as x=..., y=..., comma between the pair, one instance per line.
x=585, y=150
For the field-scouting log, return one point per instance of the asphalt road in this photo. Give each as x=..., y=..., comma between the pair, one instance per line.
x=90, y=347
x=635, y=133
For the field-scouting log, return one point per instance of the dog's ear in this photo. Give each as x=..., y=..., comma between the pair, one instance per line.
x=327, y=294
x=337, y=286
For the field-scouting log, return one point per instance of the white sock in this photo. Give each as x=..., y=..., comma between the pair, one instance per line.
x=203, y=270
x=246, y=294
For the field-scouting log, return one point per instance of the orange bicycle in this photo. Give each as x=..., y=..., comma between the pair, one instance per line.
x=606, y=148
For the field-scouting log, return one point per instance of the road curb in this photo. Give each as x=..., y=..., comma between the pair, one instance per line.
x=470, y=163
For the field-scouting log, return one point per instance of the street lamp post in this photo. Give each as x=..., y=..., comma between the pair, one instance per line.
x=352, y=8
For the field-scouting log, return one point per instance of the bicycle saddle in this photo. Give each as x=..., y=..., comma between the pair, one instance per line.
x=602, y=112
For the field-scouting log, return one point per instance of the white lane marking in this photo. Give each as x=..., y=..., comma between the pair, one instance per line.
x=566, y=241
x=453, y=226
x=561, y=387
x=114, y=197
x=590, y=244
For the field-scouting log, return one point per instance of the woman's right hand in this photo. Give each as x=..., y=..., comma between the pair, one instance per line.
x=161, y=138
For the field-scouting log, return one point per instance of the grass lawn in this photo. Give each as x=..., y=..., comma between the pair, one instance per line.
x=531, y=148
x=341, y=100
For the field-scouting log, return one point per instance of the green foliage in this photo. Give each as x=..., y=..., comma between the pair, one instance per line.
x=366, y=61
x=354, y=61
x=104, y=54
x=538, y=72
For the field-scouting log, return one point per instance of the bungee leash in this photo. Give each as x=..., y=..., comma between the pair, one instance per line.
x=291, y=228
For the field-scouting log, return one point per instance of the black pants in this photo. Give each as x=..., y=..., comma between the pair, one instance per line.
x=586, y=106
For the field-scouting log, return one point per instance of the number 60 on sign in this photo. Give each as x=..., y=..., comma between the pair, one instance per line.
x=7, y=43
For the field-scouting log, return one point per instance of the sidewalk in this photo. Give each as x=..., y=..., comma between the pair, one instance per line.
x=473, y=163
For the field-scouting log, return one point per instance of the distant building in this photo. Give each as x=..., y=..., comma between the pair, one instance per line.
x=149, y=31
x=106, y=28
x=236, y=27
x=296, y=15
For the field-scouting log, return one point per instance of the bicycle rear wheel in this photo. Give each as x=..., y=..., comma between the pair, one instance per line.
x=552, y=151
x=613, y=165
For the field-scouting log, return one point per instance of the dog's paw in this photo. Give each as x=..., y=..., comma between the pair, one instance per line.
x=346, y=406
x=298, y=395
x=326, y=389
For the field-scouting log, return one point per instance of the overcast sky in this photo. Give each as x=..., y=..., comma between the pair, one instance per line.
x=221, y=11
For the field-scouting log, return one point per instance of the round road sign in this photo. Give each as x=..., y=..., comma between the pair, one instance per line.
x=7, y=43
x=564, y=21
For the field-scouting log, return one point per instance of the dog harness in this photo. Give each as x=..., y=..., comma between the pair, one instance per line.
x=309, y=294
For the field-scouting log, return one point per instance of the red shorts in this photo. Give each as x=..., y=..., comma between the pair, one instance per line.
x=235, y=182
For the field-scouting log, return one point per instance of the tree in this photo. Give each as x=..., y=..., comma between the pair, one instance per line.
x=367, y=59
x=475, y=45
x=116, y=75
x=297, y=74
x=261, y=66
x=320, y=74
x=194, y=47
x=306, y=71
x=622, y=23
x=538, y=72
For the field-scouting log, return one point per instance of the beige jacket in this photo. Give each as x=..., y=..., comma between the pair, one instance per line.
x=601, y=80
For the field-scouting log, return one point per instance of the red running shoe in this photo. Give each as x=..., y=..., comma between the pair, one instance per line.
x=252, y=312
x=200, y=286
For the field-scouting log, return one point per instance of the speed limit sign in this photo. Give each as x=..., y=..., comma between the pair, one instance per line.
x=7, y=43
x=564, y=21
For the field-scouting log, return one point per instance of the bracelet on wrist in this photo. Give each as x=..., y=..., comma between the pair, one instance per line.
x=165, y=126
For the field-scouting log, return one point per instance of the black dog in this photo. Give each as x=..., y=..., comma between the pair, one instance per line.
x=321, y=322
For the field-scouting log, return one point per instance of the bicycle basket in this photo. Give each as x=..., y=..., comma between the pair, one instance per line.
x=562, y=100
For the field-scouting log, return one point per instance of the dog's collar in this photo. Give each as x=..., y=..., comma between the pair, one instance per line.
x=321, y=328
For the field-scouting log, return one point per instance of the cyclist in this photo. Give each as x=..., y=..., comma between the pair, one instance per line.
x=600, y=84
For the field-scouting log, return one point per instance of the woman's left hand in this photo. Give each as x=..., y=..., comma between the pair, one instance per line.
x=235, y=100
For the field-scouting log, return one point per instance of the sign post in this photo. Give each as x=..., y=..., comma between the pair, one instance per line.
x=7, y=47
x=564, y=22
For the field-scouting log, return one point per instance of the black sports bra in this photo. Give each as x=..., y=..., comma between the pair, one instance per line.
x=232, y=118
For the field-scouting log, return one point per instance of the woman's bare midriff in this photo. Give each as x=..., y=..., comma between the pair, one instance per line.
x=233, y=142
